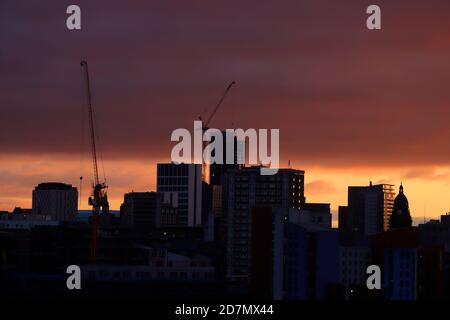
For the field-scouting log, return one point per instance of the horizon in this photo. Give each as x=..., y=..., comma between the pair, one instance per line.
x=352, y=106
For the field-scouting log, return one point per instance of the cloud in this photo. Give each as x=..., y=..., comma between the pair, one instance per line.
x=339, y=93
x=319, y=187
x=426, y=173
x=342, y=96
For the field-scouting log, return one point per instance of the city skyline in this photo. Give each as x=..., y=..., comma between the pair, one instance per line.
x=352, y=106
x=225, y=159
x=312, y=192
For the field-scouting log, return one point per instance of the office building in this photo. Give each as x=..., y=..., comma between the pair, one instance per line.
x=396, y=252
x=244, y=190
x=435, y=235
x=156, y=265
x=217, y=170
x=369, y=209
x=183, y=184
x=292, y=256
x=310, y=255
x=141, y=210
x=316, y=214
x=436, y=232
x=354, y=258
x=343, y=218
x=57, y=200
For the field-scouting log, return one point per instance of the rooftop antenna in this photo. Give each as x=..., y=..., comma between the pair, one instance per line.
x=81, y=188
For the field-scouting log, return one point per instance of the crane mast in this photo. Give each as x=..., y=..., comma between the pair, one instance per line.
x=91, y=121
x=99, y=198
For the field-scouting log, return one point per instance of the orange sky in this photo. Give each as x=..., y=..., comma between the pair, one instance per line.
x=352, y=105
x=427, y=188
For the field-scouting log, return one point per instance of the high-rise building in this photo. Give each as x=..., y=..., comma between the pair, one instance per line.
x=342, y=218
x=311, y=260
x=436, y=232
x=183, y=184
x=317, y=214
x=141, y=210
x=57, y=200
x=396, y=252
x=435, y=272
x=369, y=209
x=245, y=189
x=293, y=255
x=354, y=258
x=217, y=170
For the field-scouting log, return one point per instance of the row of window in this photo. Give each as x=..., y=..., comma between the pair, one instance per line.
x=162, y=188
x=172, y=181
x=172, y=170
x=150, y=275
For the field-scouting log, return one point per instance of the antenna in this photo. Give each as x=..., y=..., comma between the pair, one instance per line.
x=81, y=188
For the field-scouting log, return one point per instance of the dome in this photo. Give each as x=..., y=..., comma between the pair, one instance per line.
x=401, y=202
x=401, y=217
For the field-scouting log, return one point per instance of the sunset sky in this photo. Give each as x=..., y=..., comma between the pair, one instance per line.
x=352, y=105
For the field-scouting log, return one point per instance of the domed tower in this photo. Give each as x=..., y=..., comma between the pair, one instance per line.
x=400, y=218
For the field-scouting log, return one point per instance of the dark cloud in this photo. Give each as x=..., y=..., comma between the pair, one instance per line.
x=340, y=94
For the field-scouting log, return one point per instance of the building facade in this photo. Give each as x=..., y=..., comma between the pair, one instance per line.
x=369, y=209
x=57, y=200
x=141, y=210
x=182, y=184
x=354, y=259
x=244, y=190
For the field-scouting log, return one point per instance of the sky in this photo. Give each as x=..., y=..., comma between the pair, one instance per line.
x=352, y=105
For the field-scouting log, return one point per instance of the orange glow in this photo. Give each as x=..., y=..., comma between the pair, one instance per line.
x=426, y=187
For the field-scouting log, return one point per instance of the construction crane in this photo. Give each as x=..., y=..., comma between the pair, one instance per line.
x=99, y=198
x=208, y=121
x=205, y=126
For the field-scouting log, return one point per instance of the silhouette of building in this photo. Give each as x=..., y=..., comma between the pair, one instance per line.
x=436, y=234
x=396, y=252
x=168, y=215
x=22, y=211
x=309, y=255
x=318, y=214
x=57, y=200
x=141, y=210
x=293, y=256
x=182, y=184
x=343, y=223
x=217, y=170
x=369, y=209
x=432, y=273
x=400, y=218
x=158, y=265
x=245, y=189
x=355, y=257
